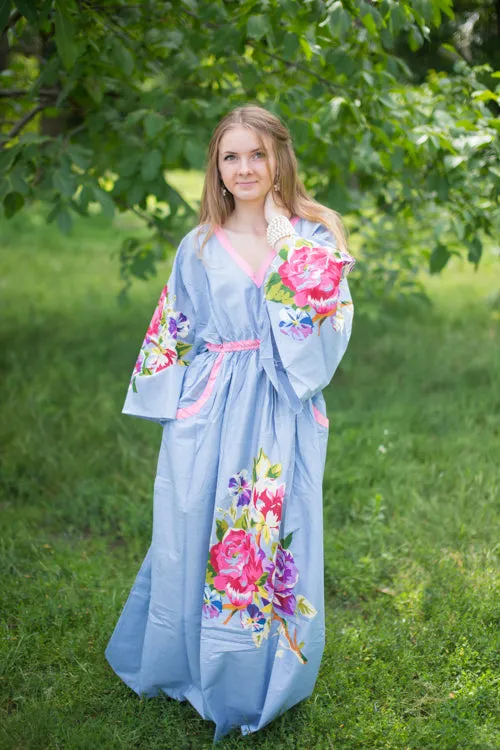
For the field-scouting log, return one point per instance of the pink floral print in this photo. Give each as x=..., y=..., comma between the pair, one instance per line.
x=162, y=346
x=251, y=571
x=307, y=283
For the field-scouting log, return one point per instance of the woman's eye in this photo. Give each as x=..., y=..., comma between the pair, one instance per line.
x=229, y=156
x=259, y=154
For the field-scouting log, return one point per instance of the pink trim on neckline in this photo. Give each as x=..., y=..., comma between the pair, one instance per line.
x=256, y=276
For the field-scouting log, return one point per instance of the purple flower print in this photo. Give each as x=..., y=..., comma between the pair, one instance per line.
x=240, y=486
x=182, y=325
x=295, y=323
x=283, y=576
x=253, y=618
x=212, y=603
x=172, y=327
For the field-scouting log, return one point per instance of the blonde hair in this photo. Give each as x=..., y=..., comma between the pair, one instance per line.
x=215, y=208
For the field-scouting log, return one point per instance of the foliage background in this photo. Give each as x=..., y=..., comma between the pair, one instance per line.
x=393, y=126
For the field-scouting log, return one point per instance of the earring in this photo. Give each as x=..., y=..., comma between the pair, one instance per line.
x=224, y=191
x=276, y=188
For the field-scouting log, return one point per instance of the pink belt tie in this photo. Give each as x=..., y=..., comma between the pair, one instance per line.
x=234, y=346
x=227, y=346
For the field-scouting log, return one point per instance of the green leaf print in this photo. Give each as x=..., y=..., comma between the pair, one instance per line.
x=276, y=291
x=222, y=527
x=274, y=471
x=182, y=348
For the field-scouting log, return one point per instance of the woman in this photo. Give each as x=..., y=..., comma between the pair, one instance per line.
x=227, y=609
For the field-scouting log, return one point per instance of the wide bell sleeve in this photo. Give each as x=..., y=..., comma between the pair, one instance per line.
x=310, y=309
x=168, y=346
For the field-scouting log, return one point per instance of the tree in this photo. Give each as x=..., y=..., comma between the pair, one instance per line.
x=103, y=96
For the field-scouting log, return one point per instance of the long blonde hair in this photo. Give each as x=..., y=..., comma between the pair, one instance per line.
x=215, y=207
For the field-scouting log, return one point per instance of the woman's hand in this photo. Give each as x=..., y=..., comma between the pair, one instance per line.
x=272, y=209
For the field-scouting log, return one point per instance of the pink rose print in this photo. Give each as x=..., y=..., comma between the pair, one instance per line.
x=237, y=565
x=154, y=325
x=251, y=577
x=162, y=347
x=314, y=275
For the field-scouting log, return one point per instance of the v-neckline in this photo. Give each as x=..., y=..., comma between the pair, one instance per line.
x=256, y=276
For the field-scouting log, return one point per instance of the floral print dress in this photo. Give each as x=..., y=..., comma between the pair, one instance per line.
x=227, y=609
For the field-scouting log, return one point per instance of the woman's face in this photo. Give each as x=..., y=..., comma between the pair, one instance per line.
x=246, y=169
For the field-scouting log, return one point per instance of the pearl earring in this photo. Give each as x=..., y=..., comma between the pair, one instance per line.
x=276, y=188
x=224, y=191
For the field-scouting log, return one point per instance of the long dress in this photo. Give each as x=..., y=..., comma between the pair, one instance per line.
x=227, y=609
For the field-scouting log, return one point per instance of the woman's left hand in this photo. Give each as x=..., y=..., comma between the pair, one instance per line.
x=272, y=209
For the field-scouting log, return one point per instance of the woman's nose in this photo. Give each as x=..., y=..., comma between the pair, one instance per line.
x=244, y=166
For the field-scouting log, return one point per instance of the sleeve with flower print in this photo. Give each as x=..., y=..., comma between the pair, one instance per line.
x=310, y=308
x=167, y=349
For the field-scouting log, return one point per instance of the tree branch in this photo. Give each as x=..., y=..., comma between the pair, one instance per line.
x=272, y=55
x=8, y=93
x=22, y=122
x=151, y=224
x=13, y=19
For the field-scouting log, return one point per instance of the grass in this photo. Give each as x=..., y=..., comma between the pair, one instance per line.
x=411, y=514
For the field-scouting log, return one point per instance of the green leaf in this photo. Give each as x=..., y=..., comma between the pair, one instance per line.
x=64, y=220
x=5, y=6
x=80, y=155
x=257, y=26
x=7, y=156
x=439, y=258
x=65, y=37
x=452, y=161
x=18, y=183
x=135, y=116
x=173, y=39
x=27, y=9
x=122, y=57
x=12, y=203
x=415, y=39
x=221, y=528
x=64, y=182
x=290, y=46
x=340, y=20
x=151, y=165
x=95, y=89
x=484, y=96
x=475, y=250
x=195, y=153
x=286, y=542
x=85, y=196
x=369, y=24
x=153, y=124
x=136, y=193
x=106, y=202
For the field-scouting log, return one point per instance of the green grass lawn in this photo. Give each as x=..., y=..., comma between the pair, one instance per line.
x=411, y=514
